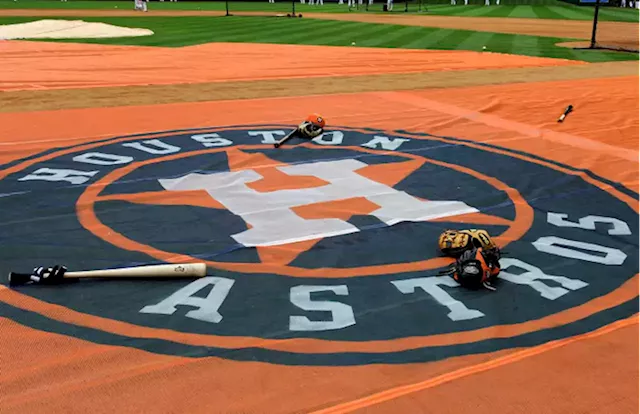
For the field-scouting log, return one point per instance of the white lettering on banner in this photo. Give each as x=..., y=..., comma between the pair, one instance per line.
x=554, y=245
x=211, y=140
x=153, y=146
x=533, y=277
x=341, y=314
x=620, y=228
x=267, y=136
x=458, y=311
x=207, y=308
x=385, y=143
x=336, y=138
x=100, y=158
x=53, y=174
x=270, y=215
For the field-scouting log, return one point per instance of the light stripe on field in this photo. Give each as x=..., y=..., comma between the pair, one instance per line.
x=362, y=37
x=319, y=36
x=481, y=10
x=527, y=45
x=434, y=40
x=476, y=41
x=572, y=14
x=391, y=39
x=525, y=12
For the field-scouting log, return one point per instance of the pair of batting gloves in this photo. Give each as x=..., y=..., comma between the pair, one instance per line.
x=40, y=275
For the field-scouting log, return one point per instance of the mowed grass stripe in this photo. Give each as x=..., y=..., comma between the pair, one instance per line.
x=229, y=28
x=548, y=13
x=503, y=11
x=329, y=29
x=364, y=32
x=572, y=14
x=414, y=39
x=528, y=45
x=453, y=42
x=280, y=32
x=475, y=41
x=361, y=36
x=444, y=9
x=526, y=12
x=431, y=40
x=503, y=43
x=173, y=32
x=623, y=15
x=392, y=37
x=483, y=11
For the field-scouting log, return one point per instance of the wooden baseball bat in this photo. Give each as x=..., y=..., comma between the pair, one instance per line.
x=566, y=112
x=286, y=138
x=163, y=270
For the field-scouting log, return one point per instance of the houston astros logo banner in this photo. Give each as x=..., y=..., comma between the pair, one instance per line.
x=319, y=252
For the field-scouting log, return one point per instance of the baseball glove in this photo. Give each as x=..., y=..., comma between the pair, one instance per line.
x=480, y=238
x=312, y=126
x=475, y=268
x=309, y=130
x=453, y=243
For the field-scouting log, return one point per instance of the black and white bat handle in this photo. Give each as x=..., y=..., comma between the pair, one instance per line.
x=40, y=275
x=16, y=279
x=566, y=112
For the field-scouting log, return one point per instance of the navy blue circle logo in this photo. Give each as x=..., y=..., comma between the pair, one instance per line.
x=321, y=251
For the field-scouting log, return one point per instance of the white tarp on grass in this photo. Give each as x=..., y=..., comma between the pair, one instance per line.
x=67, y=29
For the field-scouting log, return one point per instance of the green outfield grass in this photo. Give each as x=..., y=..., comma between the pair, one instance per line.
x=542, y=9
x=185, y=31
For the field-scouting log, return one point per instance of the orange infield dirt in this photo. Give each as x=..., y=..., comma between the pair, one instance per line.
x=36, y=65
x=593, y=372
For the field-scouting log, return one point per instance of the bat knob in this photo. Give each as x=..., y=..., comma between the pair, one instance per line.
x=16, y=279
x=276, y=145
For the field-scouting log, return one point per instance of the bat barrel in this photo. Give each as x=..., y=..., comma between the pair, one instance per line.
x=164, y=270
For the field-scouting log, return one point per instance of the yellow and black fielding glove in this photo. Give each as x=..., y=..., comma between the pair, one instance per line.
x=480, y=238
x=453, y=243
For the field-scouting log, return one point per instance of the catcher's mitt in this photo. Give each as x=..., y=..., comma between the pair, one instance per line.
x=308, y=130
x=475, y=268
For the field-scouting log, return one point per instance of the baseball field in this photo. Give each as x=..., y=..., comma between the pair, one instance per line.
x=131, y=138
